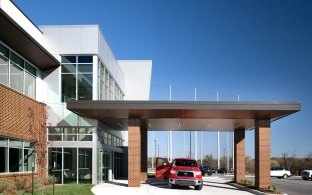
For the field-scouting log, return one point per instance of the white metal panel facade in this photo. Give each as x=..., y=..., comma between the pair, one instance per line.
x=106, y=55
x=71, y=39
x=138, y=78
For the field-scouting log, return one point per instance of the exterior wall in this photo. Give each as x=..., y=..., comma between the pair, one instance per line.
x=262, y=154
x=24, y=118
x=21, y=19
x=82, y=40
x=239, y=152
x=138, y=78
x=134, y=153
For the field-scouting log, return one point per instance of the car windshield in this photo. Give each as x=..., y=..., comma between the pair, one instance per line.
x=183, y=162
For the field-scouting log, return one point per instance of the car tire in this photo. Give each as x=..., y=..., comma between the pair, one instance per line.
x=171, y=186
x=285, y=176
x=199, y=187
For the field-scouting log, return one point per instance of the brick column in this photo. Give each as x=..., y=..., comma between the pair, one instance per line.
x=262, y=154
x=134, y=152
x=239, y=155
x=143, y=153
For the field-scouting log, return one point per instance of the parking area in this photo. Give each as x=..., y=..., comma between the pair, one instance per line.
x=212, y=185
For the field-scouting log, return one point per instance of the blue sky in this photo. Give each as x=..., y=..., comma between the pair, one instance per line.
x=260, y=50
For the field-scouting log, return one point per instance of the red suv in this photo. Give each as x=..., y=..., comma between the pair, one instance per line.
x=180, y=172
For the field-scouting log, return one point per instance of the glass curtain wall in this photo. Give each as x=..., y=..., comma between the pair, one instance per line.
x=108, y=87
x=103, y=166
x=77, y=78
x=72, y=165
x=17, y=73
x=70, y=133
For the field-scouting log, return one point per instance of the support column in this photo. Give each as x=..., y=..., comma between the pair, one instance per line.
x=239, y=155
x=134, y=152
x=262, y=153
x=143, y=153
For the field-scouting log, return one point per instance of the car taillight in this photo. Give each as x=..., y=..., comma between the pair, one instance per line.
x=197, y=173
x=172, y=171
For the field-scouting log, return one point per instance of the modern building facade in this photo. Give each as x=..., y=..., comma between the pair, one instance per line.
x=42, y=68
x=68, y=107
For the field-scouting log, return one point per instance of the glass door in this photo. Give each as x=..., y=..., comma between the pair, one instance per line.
x=106, y=166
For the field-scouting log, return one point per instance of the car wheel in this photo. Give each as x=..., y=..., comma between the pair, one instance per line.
x=285, y=176
x=199, y=187
x=171, y=186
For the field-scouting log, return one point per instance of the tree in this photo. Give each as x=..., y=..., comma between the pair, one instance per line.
x=287, y=160
x=308, y=161
x=208, y=160
x=250, y=165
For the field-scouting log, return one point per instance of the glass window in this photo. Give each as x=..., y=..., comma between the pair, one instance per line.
x=85, y=68
x=30, y=85
x=68, y=59
x=17, y=73
x=70, y=165
x=3, y=159
x=4, y=70
x=85, y=87
x=85, y=59
x=85, y=165
x=69, y=68
x=3, y=142
x=16, y=77
x=16, y=143
x=32, y=70
x=70, y=134
x=29, y=159
x=17, y=60
x=4, y=51
x=15, y=160
x=68, y=87
x=16, y=156
x=55, y=134
x=55, y=158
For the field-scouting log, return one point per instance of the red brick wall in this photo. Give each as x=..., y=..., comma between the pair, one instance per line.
x=262, y=154
x=239, y=152
x=24, y=118
x=134, y=152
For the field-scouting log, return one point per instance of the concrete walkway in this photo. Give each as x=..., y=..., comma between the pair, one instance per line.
x=212, y=185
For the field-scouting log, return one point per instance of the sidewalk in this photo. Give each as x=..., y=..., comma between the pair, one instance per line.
x=212, y=185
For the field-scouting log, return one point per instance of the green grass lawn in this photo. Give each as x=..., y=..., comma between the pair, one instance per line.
x=69, y=189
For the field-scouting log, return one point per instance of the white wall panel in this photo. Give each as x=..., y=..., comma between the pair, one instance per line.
x=137, y=78
x=71, y=39
x=51, y=39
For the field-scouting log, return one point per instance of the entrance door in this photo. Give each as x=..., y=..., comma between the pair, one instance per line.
x=105, y=166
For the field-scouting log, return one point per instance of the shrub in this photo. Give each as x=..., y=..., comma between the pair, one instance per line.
x=246, y=182
x=4, y=187
x=20, y=183
x=273, y=188
x=48, y=180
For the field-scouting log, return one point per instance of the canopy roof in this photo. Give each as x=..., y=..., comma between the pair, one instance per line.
x=184, y=115
x=13, y=35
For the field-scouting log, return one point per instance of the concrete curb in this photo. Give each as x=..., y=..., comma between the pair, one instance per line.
x=256, y=192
